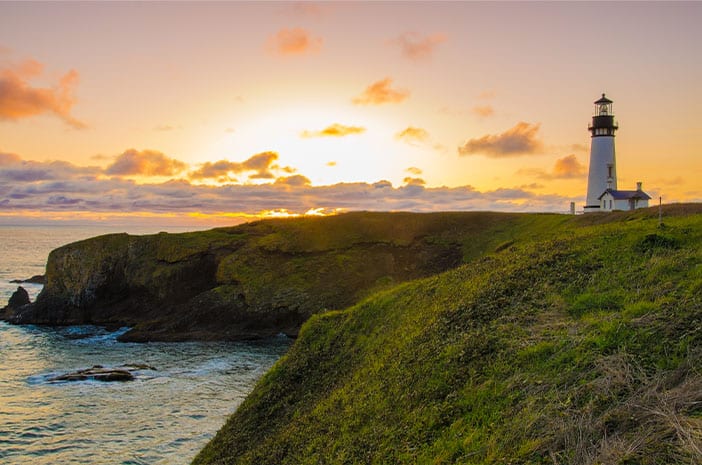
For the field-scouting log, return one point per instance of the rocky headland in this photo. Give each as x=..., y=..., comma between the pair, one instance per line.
x=250, y=281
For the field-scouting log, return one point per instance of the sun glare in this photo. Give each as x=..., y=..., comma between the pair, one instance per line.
x=297, y=133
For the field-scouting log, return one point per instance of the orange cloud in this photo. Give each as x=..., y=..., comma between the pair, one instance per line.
x=9, y=159
x=18, y=99
x=296, y=41
x=412, y=135
x=331, y=163
x=484, y=110
x=144, y=163
x=415, y=47
x=260, y=164
x=380, y=92
x=293, y=181
x=519, y=140
x=567, y=167
x=335, y=130
x=414, y=181
x=414, y=170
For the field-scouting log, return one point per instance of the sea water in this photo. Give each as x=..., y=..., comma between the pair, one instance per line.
x=164, y=416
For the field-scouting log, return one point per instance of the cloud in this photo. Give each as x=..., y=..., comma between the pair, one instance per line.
x=19, y=99
x=20, y=171
x=295, y=181
x=260, y=164
x=417, y=47
x=334, y=130
x=412, y=135
x=410, y=181
x=62, y=200
x=331, y=163
x=70, y=189
x=9, y=159
x=567, y=167
x=144, y=163
x=519, y=140
x=484, y=110
x=380, y=92
x=296, y=41
x=164, y=127
x=414, y=170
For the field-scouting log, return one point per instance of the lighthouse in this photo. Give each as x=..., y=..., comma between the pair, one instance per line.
x=603, y=164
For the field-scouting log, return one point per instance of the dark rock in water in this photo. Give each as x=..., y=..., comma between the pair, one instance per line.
x=36, y=279
x=19, y=297
x=100, y=373
x=139, y=366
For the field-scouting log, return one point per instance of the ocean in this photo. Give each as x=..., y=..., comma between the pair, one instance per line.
x=165, y=416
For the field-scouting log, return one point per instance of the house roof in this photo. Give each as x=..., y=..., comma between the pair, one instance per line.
x=625, y=195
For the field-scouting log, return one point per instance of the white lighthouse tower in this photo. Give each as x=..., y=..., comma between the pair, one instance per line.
x=603, y=164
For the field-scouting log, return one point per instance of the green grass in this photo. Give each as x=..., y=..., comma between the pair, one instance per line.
x=571, y=341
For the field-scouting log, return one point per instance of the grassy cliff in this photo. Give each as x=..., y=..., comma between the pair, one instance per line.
x=572, y=340
x=259, y=279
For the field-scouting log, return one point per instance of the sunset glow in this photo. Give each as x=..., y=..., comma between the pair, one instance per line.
x=213, y=113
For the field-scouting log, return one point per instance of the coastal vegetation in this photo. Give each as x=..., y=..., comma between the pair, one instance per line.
x=258, y=279
x=561, y=340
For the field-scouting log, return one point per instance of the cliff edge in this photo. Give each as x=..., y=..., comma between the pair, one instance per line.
x=582, y=346
x=254, y=280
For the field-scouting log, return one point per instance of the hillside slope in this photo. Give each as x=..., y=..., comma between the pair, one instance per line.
x=257, y=279
x=581, y=347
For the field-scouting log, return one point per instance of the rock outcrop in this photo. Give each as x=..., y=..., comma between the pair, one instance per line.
x=100, y=373
x=251, y=281
x=18, y=298
x=36, y=279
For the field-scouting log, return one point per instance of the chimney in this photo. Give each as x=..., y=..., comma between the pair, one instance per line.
x=638, y=186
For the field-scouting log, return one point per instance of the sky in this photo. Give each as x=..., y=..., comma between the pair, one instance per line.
x=216, y=113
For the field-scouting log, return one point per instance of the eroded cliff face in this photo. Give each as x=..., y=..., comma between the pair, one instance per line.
x=119, y=280
x=251, y=281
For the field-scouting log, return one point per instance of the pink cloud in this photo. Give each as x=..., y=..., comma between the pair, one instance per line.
x=417, y=47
